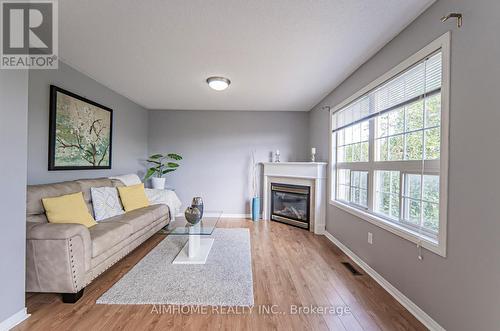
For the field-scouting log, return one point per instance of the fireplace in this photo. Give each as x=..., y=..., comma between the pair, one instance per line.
x=309, y=178
x=290, y=204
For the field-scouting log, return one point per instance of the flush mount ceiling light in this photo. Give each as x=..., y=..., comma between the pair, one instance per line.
x=218, y=83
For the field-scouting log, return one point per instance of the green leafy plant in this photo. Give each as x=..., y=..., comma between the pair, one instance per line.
x=162, y=165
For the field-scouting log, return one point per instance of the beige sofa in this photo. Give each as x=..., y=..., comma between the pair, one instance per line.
x=64, y=258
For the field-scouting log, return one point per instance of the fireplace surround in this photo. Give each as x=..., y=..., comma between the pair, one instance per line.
x=309, y=175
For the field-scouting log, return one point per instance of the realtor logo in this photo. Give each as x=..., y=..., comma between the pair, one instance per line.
x=29, y=34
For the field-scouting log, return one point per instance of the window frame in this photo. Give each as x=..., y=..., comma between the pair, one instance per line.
x=432, y=167
x=350, y=187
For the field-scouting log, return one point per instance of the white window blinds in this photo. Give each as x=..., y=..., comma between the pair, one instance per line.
x=418, y=81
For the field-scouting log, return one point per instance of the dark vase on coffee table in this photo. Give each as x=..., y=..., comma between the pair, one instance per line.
x=193, y=215
x=198, y=203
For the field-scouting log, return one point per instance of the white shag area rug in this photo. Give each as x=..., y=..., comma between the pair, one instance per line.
x=225, y=279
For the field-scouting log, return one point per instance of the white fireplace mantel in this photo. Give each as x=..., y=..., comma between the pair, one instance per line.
x=312, y=174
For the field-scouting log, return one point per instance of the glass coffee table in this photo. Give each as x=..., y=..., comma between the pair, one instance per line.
x=198, y=246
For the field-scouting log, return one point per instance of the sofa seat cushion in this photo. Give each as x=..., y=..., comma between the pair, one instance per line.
x=138, y=219
x=105, y=235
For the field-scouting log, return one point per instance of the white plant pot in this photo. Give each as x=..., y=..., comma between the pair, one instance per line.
x=158, y=183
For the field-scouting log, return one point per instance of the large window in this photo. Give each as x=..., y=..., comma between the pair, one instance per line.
x=389, y=149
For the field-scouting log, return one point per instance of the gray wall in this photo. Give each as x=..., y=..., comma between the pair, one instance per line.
x=13, y=132
x=216, y=146
x=130, y=125
x=461, y=291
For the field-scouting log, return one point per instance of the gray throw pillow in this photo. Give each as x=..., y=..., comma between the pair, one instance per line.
x=105, y=202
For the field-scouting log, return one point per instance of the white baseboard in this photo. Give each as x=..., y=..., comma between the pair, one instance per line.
x=415, y=310
x=224, y=215
x=14, y=320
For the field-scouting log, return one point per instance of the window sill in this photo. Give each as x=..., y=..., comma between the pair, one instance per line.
x=412, y=236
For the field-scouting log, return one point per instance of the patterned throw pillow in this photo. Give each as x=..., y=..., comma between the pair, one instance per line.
x=105, y=202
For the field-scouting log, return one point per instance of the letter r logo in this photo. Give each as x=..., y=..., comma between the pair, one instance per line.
x=27, y=27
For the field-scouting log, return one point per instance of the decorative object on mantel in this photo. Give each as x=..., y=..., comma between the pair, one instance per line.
x=193, y=215
x=198, y=203
x=161, y=167
x=313, y=154
x=255, y=197
x=277, y=156
x=80, y=132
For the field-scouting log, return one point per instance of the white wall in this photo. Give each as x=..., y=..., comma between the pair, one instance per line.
x=216, y=147
x=13, y=132
x=461, y=291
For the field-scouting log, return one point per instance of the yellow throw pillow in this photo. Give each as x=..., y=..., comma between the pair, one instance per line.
x=133, y=197
x=70, y=208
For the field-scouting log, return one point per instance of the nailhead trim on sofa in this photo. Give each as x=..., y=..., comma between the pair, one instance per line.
x=138, y=241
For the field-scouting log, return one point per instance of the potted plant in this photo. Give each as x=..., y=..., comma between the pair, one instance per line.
x=161, y=165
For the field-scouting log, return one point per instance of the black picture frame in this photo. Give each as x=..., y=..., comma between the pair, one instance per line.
x=54, y=90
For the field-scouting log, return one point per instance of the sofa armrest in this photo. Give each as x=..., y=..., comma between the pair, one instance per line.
x=58, y=257
x=53, y=231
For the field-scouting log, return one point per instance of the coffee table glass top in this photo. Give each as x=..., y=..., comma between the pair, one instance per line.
x=205, y=227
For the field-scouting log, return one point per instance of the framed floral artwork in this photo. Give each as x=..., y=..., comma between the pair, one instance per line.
x=80, y=132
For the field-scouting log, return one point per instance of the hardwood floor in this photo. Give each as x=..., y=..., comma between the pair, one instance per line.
x=290, y=267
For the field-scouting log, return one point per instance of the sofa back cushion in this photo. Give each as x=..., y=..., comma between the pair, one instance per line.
x=86, y=184
x=117, y=183
x=35, y=193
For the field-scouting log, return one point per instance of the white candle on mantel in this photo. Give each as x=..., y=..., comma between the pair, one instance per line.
x=277, y=152
x=313, y=150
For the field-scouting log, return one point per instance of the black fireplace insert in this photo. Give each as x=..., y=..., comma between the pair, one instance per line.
x=290, y=204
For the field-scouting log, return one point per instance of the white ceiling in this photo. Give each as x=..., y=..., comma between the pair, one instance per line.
x=279, y=54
